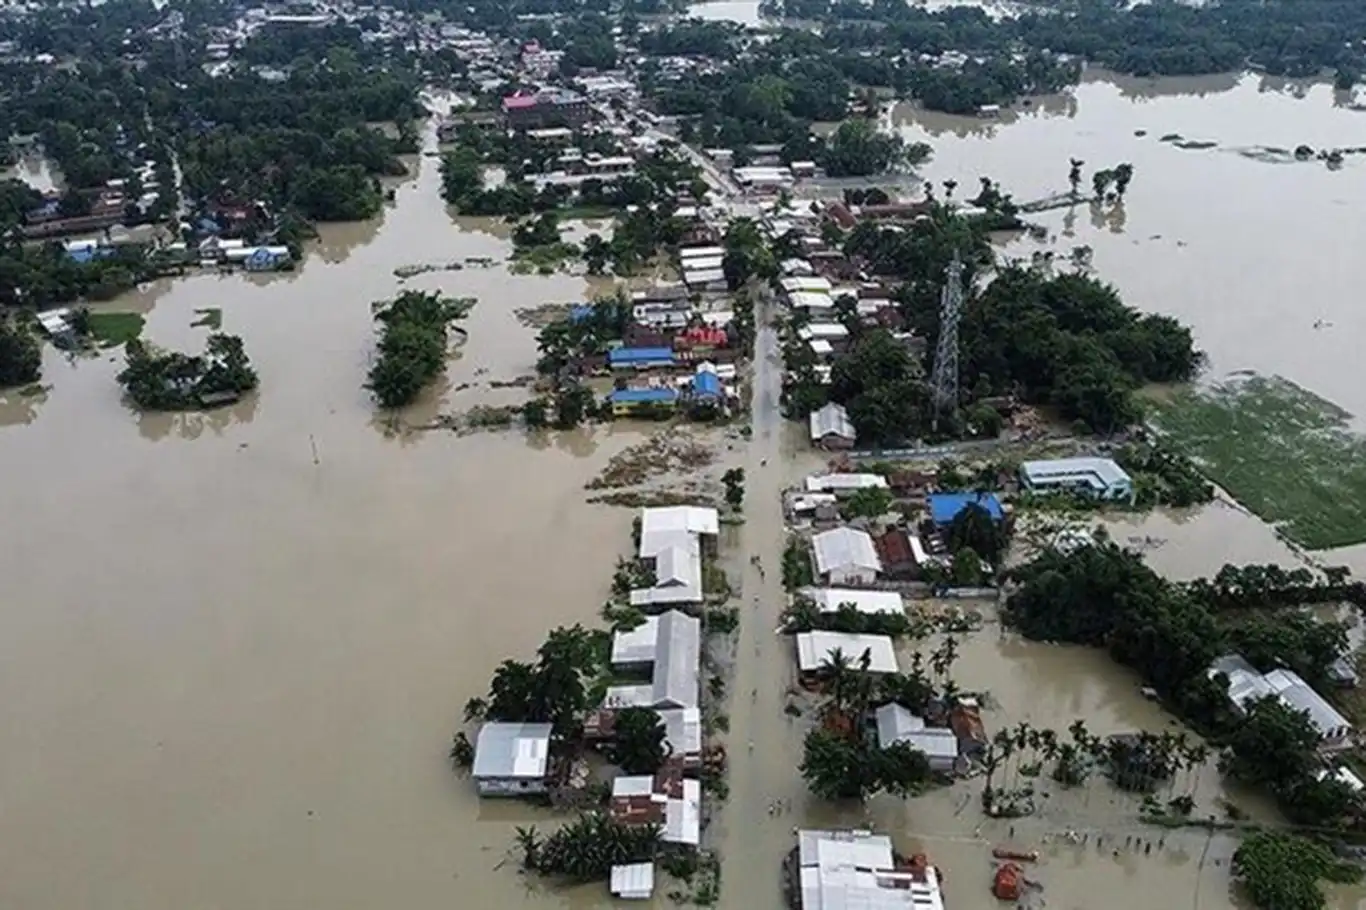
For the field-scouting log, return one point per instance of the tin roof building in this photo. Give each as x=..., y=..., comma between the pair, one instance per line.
x=1099, y=477
x=1246, y=685
x=845, y=556
x=945, y=507
x=511, y=759
x=858, y=870
x=829, y=600
x=814, y=650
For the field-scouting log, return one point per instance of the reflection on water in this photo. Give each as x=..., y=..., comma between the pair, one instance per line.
x=191, y=425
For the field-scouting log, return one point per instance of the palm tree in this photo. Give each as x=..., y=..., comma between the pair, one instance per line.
x=1074, y=174
x=837, y=668
x=529, y=839
x=949, y=187
x=1123, y=174
x=475, y=709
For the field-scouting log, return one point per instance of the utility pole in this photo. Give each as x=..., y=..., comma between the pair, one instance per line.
x=944, y=381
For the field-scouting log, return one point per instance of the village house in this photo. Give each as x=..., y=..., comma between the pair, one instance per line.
x=847, y=869
x=896, y=554
x=631, y=402
x=831, y=428
x=896, y=724
x=674, y=539
x=640, y=359
x=814, y=650
x=843, y=484
x=830, y=600
x=633, y=881
x=512, y=759
x=1246, y=685
x=845, y=556
x=666, y=799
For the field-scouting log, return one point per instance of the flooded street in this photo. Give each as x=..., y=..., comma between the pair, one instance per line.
x=235, y=645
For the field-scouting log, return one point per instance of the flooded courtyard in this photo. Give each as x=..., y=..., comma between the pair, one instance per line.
x=235, y=645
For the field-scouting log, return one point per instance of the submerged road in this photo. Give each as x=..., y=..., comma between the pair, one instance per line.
x=766, y=794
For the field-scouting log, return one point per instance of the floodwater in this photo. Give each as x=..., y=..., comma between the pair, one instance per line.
x=235, y=646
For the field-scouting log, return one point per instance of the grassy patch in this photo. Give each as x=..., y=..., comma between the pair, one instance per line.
x=114, y=329
x=210, y=318
x=1281, y=451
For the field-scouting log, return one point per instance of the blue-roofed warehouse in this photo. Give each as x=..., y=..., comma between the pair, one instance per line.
x=945, y=507
x=640, y=358
x=706, y=384
x=627, y=401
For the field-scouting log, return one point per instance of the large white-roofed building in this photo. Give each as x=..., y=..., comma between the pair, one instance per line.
x=845, y=556
x=858, y=870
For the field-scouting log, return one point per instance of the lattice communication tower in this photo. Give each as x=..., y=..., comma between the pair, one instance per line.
x=944, y=381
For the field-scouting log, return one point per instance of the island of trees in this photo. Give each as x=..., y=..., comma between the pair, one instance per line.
x=412, y=346
x=157, y=380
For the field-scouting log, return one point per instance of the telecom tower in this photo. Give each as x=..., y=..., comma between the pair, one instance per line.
x=944, y=382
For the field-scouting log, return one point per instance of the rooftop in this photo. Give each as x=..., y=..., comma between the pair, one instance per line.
x=1245, y=685
x=1104, y=470
x=512, y=750
x=644, y=396
x=815, y=648
x=832, y=420
x=829, y=600
x=844, y=548
x=640, y=355
x=896, y=724
x=819, y=483
x=856, y=870
x=944, y=507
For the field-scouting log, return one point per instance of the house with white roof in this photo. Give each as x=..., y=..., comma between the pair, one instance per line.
x=814, y=650
x=897, y=724
x=842, y=870
x=1246, y=685
x=845, y=556
x=512, y=759
x=673, y=539
x=831, y=600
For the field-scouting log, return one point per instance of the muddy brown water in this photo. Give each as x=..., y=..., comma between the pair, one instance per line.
x=235, y=645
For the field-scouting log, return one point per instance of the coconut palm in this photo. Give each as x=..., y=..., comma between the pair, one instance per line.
x=1074, y=174
x=475, y=709
x=529, y=840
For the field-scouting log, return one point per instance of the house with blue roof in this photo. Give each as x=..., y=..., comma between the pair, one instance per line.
x=640, y=358
x=945, y=507
x=627, y=402
x=706, y=385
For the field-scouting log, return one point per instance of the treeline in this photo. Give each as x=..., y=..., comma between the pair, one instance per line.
x=1283, y=37
x=1104, y=596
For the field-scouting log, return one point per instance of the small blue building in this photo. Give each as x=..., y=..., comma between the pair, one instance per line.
x=945, y=507
x=640, y=358
x=706, y=385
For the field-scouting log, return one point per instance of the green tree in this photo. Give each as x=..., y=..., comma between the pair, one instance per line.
x=967, y=568
x=734, y=481
x=869, y=502
x=535, y=412
x=21, y=357
x=412, y=345
x=638, y=745
x=1274, y=746
x=1282, y=871
x=974, y=529
x=837, y=767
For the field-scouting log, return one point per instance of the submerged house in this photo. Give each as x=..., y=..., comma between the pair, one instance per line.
x=1246, y=685
x=896, y=724
x=1101, y=478
x=512, y=759
x=666, y=799
x=674, y=539
x=842, y=870
x=815, y=651
x=845, y=556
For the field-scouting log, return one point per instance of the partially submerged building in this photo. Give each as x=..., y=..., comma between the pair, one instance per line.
x=829, y=600
x=815, y=648
x=512, y=759
x=844, y=870
x=831, y=428
x=1101, y=478
x=666, y=799
x=845, y=556
x=673, y=539
x=1246, y=685
x=897, y=724
x=669, y=646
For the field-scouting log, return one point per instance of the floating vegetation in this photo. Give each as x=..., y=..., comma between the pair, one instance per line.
x=1281, y=450
x=661, y=454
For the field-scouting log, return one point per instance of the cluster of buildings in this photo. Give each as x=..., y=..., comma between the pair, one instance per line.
x=655, y=665
x=844, y=870
x=1246, y=685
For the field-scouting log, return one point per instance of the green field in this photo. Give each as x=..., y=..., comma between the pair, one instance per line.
x=114, y=329
x=1278, y=449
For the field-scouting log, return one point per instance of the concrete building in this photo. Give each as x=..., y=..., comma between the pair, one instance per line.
x=526, y=111
x=843, y=484
x=831, y=428
x=845, y=556
x=814, y=650
x=842, y=870
x=1098, y=477
x=896, y=724
x=1246, y=685
x=512, y=759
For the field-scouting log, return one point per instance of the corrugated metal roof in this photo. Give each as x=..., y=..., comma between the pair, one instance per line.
x=944, y=507
x=844, y=548
x=832, y=420
x=636, y=646
x=683, y=730
x=828, y=600
x=635, y=396
x=677, y=669
x=1098, y=473
x=853, y=870
x=640, y=355
x=817, y=483
x=512, y=750
x=706, y=384
x=814, y=649
x=633, y=882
